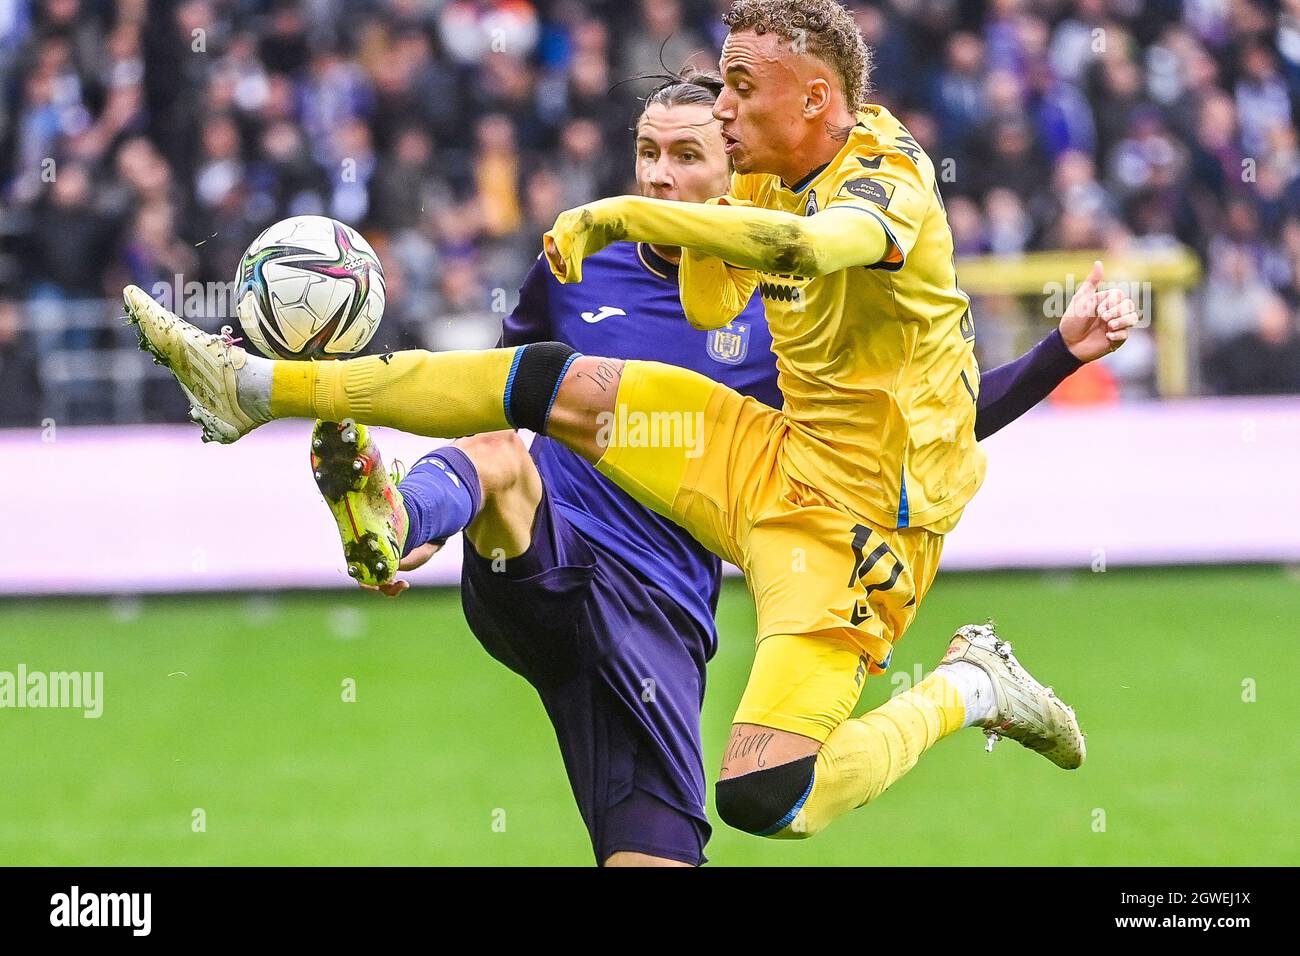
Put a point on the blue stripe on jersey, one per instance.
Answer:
(902, 498)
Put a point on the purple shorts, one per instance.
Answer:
(620, 669)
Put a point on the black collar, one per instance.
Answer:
(802, 184)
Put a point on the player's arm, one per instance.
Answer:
(1010, 390)
(1095, 324)
(872, 220)
(745, 236)
(712, 290)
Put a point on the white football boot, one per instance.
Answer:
(205, 365)
(1027, 712)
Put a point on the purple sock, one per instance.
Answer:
(442, 496)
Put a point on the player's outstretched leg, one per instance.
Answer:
(795, 793)
(797, 759)
(485, 485)
(440, 395)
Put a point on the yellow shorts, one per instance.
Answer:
(836, 590)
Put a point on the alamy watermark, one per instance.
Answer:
(195, 300)
(627, 428)
(77, 908)
(1058, 295)
(72, 690)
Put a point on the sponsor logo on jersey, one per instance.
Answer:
(778, 292)
(604, 312)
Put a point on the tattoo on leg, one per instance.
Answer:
(743, 744)
(604, 375)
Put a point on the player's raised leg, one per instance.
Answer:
(489, 486)
(524, 564)
(438, 394)
(363, 498)
(798, 759)
(644, 424)
(486, 485)
(781, 784)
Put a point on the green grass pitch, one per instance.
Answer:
(233, 705)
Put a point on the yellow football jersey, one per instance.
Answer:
(877, 363)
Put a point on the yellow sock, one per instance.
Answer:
(437, 394)
(864, 755)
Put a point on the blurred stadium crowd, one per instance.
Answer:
(141, 141)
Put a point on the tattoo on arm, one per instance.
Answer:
(603, 375)
(743, 744)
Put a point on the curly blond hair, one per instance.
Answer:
(821, 28)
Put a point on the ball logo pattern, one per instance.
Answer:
(309, 287)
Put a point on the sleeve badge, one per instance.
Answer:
(872, 190)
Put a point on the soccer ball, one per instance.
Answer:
(309, 288)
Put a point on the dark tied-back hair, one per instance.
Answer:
(687, 87)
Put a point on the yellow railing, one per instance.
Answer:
(1159, 276)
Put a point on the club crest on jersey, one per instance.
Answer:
(729, 344)
(811, 208)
